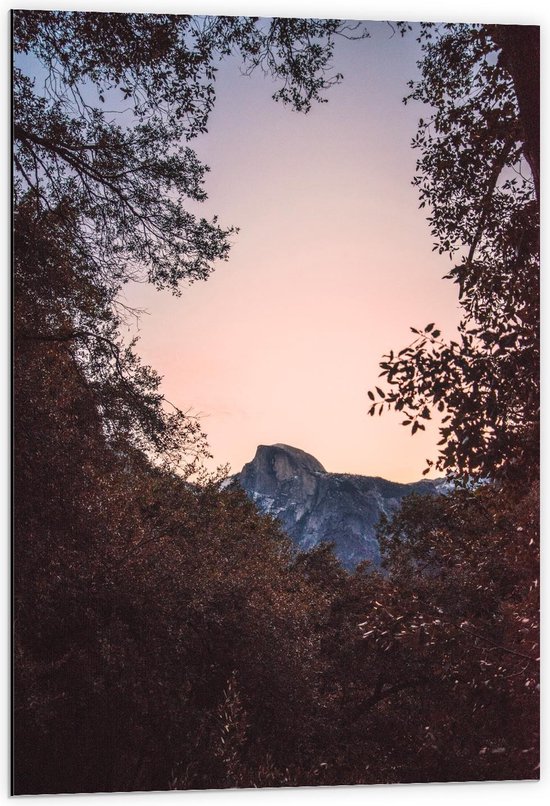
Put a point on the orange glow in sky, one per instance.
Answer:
(332, 265)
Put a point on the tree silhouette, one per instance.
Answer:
(476, 149)
(100, 129)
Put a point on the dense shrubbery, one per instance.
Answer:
(167, 637)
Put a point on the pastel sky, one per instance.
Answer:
(332, 265)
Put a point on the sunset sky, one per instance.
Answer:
(332, 265)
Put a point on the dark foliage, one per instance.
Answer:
(105, 121)
(474, 177)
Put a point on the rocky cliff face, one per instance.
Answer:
(314, 506)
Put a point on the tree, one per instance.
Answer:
(464, 570)
(520, 46)
(138, 597)
(129, 171)
(59, 304)
(145, 607)
(464, 566)
(101, 155)
(477, 146)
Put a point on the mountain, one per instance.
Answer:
(315, 506)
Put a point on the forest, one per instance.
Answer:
(166, 635)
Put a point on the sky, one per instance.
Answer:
(332, 265)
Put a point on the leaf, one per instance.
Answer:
(508, 340)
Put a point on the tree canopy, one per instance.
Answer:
(478, 180)
(106, 120)
(104, 107)
(465, 565)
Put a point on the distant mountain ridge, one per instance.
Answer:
(314, 506)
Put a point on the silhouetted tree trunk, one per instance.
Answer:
(520, 46)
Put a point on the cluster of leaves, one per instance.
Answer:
(127, 168)
(58, 301)
(475, 180)
(465, 573)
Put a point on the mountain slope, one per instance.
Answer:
(315, 506)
